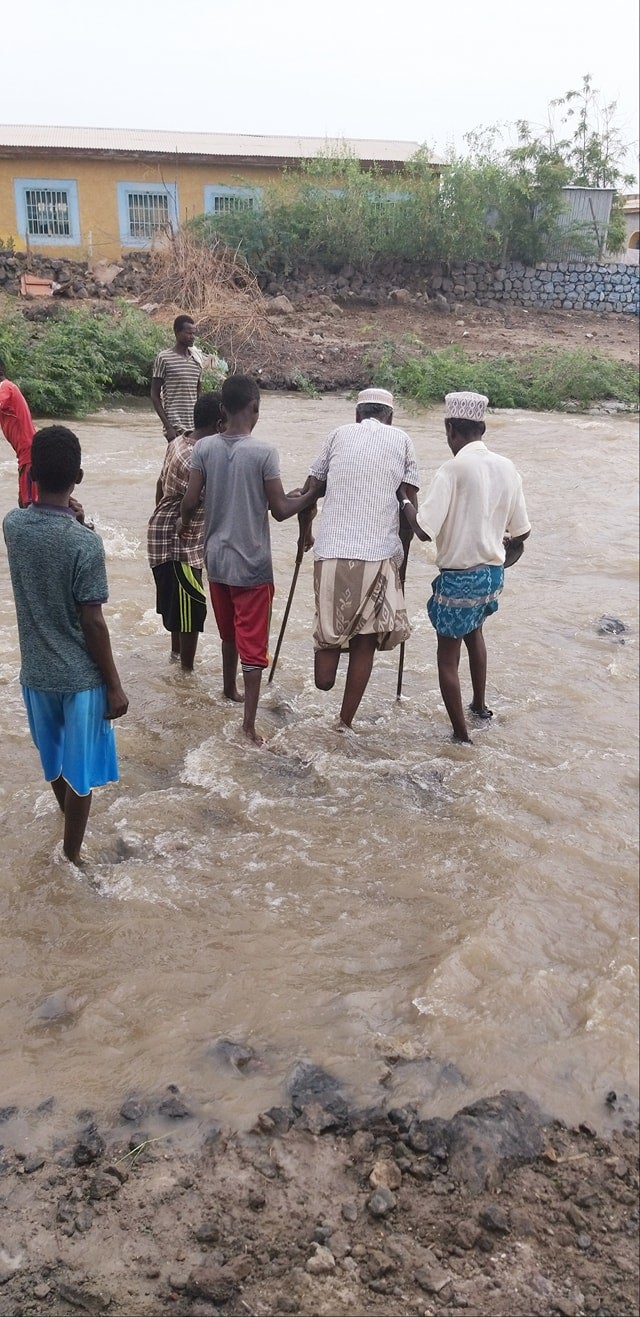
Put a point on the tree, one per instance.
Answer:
(518, 191)
(594, 150)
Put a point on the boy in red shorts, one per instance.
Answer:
(240, 476)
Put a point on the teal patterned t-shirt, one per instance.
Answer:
(56, 565)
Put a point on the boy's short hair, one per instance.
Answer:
(180, 322)
(237, 392)
(55, 458)
(207, 411)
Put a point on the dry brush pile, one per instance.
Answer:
(214, 285)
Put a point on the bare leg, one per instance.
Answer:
(230, 672)
(477, 651)
(76, 814)
(175, 644)
(448, 661)
(252, 679)
(325, 668)
(361, 652)
(59, 788)
(188, 646)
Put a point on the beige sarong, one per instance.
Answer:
(357, 599)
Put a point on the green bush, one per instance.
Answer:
(541, 381)
(493, 204)
(66, 365)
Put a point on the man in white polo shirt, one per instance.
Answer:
(358, 550)
(475, 512)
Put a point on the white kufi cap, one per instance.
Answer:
(465, 406)
(380, 396)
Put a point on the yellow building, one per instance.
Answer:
(95, 193)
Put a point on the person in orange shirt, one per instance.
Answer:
(18, 429)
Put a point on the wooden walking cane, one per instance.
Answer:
(299, 557)
(402, 573)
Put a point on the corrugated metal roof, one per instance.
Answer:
(243, 145)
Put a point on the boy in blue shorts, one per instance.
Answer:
(69, 680)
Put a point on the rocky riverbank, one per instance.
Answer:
(322, 1209)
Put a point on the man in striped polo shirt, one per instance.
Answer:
(358, 551)
(175, 387)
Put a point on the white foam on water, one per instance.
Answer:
(118, 543)
(44, 804)
(202, 768)
(150, 623)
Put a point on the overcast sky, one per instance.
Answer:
(422, 70)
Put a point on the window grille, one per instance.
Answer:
(47, 211)
(148, 213)
(222, 205)
(223, 199)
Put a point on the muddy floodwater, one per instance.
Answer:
(335, 898)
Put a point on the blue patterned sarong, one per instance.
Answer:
(461, 600)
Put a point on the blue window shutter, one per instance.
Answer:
(47, 211)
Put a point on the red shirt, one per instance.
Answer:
(15, 421)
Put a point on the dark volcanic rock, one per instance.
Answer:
(239, 1056)
(316, 1099)
(493, 1136)
(89, 1148)
(611, 626)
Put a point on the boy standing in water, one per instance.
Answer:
(176, 382)
(176, 562)
(240, 477)
(70, 684)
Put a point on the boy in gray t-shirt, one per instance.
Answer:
(69, 680)
(241, 481)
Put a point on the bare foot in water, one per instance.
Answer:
(462, 740)
(234, 694)
(483, 712)
(253, 736)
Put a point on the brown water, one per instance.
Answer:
(336, 898)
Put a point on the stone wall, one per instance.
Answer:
(559, 285)
(75, 279)
(556, 285)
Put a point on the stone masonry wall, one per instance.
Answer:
(559, 285)
(556, 285)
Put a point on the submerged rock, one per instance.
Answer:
(612, 626)
(239, 1056)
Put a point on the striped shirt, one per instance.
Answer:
(363, 465)
(179, 374)
(163, 545)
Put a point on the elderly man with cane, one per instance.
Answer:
(359, 554)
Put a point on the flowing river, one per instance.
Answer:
(343, 898)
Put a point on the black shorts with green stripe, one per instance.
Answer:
(180, 597)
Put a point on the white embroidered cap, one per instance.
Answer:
(465, 406)
(381, 396)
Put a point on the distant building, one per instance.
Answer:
(96, 193)
(587, 211)
(631, 210)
